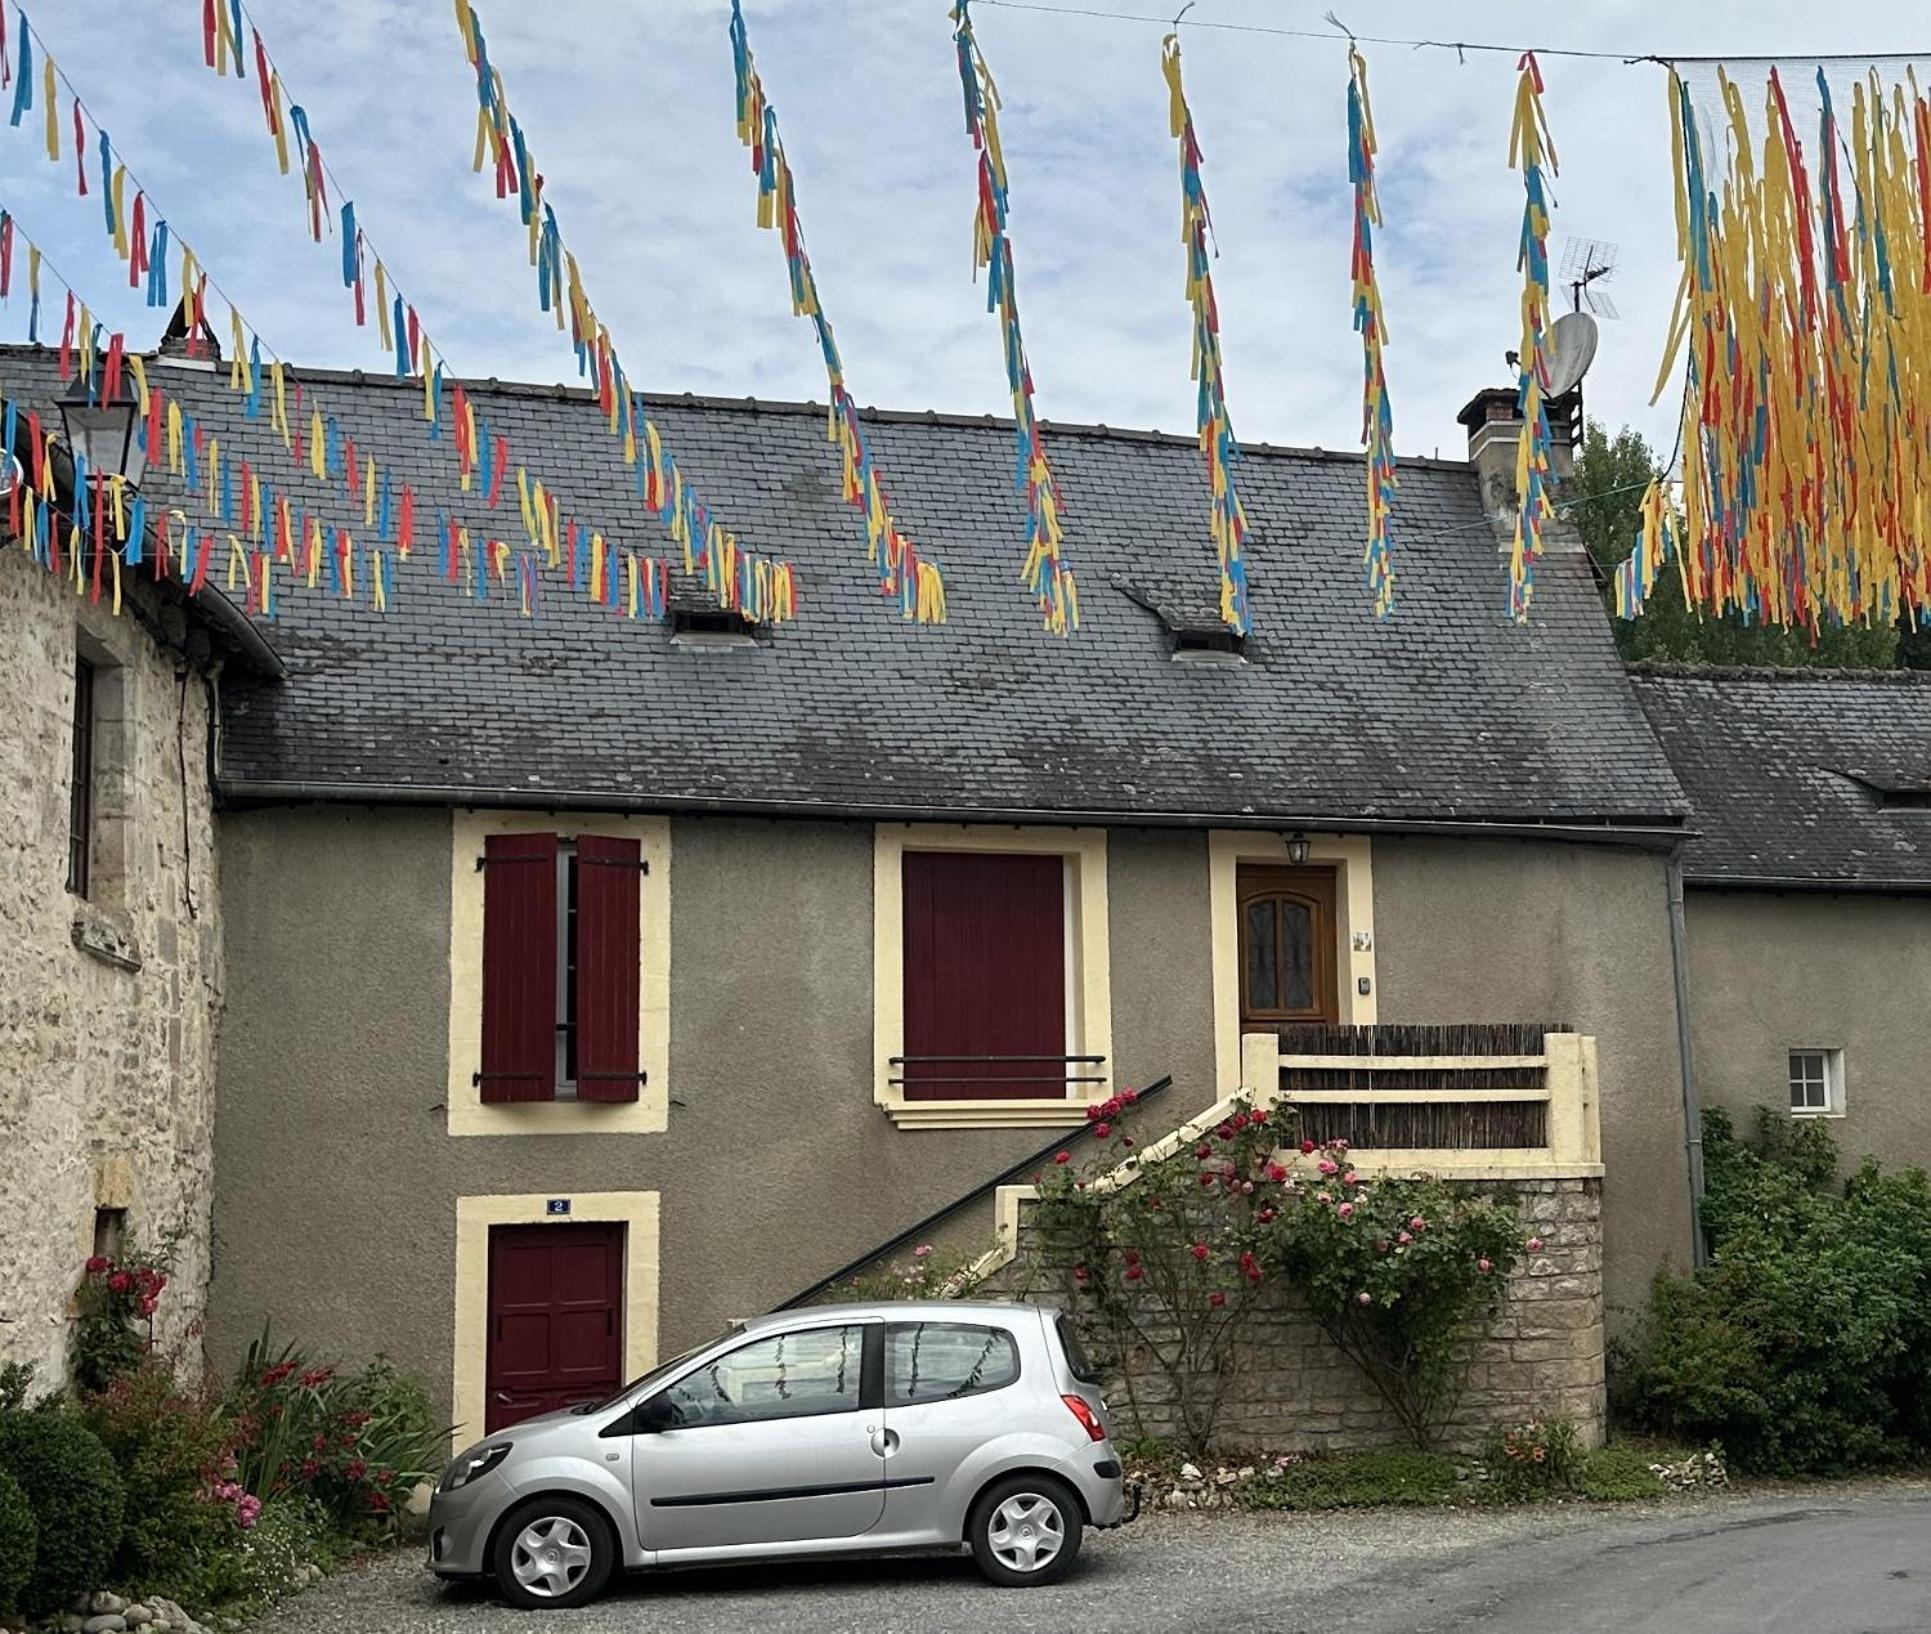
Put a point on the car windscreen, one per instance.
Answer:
(656, 1375)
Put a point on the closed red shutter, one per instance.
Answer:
(985, 975)
(609, 886)
(519, 967)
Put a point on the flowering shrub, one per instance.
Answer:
(1804, 1346)
(1167, 1265)
(1533, 1460)
(115, 1329)
(355, 1442)
(1395, 1272)
(928, 1273)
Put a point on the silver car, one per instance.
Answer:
(841, 1429)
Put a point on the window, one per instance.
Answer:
(1077, 1361)
(985, 977)
(791, 1375)
(711, 627)
(1287, 946)
(941, 1361)
(1816, 1082)
(80, 797)
(1218, 646)
(561, 968)
(110, 1231)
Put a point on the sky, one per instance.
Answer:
(629, 110)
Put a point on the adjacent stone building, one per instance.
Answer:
(111, 953)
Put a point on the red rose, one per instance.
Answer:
(1134, 1273)
(355, 1469)
(1129, 1097)
(1276, 1172)
(1216, 1298)
(1200, 1251)
(1207, 1180)
(1224, 1132)
(96, 1265)
(1239, 1120)
(1079, 1275)
(1203, 1150)
(1102, 1130)
(150, 1305)
(1307, 1148)
(1258, 1115)
(1265, 1215)
(1126, 1140)
(1253, 1273)
(120, 1282)
(1062, 1157)
(320, 1443)
(379, 1502)
(310, 1469)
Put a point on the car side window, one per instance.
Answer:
(789, 1375)
(942, 1361)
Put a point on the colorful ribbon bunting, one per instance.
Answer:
(1377, 414)
(903, 573)
(1045, 570)
(1529, 147)
(1227, 518)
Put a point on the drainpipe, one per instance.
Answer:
(1692, 1110)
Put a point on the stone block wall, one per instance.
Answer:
(1540, 1356)
(108, 1003)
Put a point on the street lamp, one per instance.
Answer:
(1297, 848)
(102, 432)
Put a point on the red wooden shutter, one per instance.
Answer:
(985, 975)
(519, 967)
(609, 886)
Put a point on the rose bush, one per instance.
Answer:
(117, 1300)
(1396, 1272)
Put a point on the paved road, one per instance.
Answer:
(1822, 1560)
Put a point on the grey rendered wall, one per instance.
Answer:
(338, 1181)
(1771, 973)
(1513, 931)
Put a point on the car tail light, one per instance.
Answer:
(1089, 1420)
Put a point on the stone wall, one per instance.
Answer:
(107, 1005)
(1541, 1356)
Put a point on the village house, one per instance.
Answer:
(110, 899)
(587, 982)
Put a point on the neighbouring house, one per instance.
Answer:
(1808, 894)
(587, 982)
(110, 924)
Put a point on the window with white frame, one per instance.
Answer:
(1816, 1082)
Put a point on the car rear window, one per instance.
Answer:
(1076, 1357)
(942, 1361)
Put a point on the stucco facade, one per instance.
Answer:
(1773, 972)
(341, 1185)
(107, 1002)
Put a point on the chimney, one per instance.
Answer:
(1494, 443)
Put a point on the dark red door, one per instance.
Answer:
(556, 1324)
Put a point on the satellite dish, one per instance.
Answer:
(1569, 350)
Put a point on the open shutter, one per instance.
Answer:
(609, 887)
(519, 967)
(985, 976)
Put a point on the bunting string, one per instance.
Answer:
(1804, 319)
(904, 574)
(1227, 519)
(480, 454)
(1045, 570)
(1377, 413)
(1529, 149)
(762, 588)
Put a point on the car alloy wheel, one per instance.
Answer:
(1026, 1533)
(550, 1556)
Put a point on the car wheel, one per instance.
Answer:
(1025, 1530)
(553, 1553)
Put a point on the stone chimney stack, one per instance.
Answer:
(1494, 441)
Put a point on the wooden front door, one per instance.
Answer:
(1287, 947)
(556, 1323)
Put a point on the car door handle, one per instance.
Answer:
(884, 1442)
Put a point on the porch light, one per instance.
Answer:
(1297, 848)
(101, 432)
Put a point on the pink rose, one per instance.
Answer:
(1329, 1166)
(1349, 1178)
(1403, 1237)
(1534, 1245)
(1346, 1211)
(1484, 1266)
(1364, 1298)
(1418, 1224)
(921, 1251)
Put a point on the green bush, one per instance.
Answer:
(18, 1540)
(1539, 1459)
(170, 1447)
(1356, 1480)
(1616, 1474)
(1804, 1346)
(264, 1563)
(76, 1496)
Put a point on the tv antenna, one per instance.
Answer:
(1587, 264)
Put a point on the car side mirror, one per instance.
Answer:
(652, 1416)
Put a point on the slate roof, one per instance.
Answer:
(1788, 771)
(1446, 712)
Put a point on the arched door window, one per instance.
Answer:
(1287, 949)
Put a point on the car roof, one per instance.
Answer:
(894, 1310)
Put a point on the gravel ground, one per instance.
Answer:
(1366, 1572)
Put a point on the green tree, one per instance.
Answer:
(1605, 500)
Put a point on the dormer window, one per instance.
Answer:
(1904, 799)
(711, 627)
(1209, 646)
